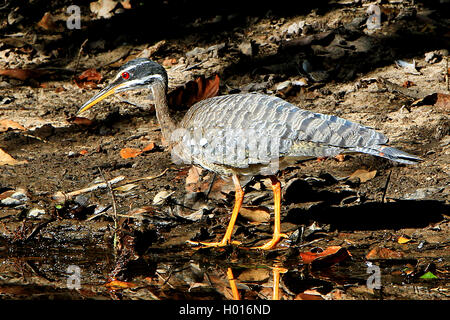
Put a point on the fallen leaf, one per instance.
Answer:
(161, 197)
(149, 147)
(363, 175)
(329, 256)
(81, 121)
(83, 152)
(193, 175)
(103, 8)
(340, 157)
(90, 78)
(428, 275)
(308, 296)
(22, 74)
(126, 187)
(403, 240)
(125, 4)
(257, 214)
(408, 84)
(116, 284)
(254, 275)
(47, 23)
(127, 153)
(5, 125)
(194, 91)
(439, 100)
(139, 211)
(5, 158)
(383, 253)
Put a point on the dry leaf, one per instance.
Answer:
(193, 175)
(83, 152)
(125, 4)
(408, 84)
(47, 23)
(127, 153)
(439, 100)
(81, 121)
(194, 91)
(88, 79)
(308, 296)
(22, 74)
(116, 284)
(5, 158)
(253, 275)
(330, 256)
(383, 253)
(126, 187)
(103, 8)
(9, 124)
(403, 240)
(149, 147)
(255, 214)
(363, 175)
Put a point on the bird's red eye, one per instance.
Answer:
(125, 75)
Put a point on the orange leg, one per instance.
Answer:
(239, 197)
(277, 235)
(276, 281)
(233, 286)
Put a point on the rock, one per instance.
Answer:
(36, 212)
(423, 193)
(195, 52)
(247, 48)
(433, 57)
(295, 28)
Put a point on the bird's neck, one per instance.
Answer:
(162, 113)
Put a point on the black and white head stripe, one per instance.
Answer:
(142, 71)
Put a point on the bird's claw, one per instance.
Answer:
(272, 243)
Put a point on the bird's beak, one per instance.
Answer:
(106, 92)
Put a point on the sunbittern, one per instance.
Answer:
(247, 134)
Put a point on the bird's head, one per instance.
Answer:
(135, 74)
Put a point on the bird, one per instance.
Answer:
(247, 134)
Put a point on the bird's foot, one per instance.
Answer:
(213, 244)
(273, 242)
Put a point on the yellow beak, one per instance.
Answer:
(106, 92)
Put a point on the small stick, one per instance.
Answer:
(114, 207)
(59, 196)
(447, 74)
(148, 177)
(386, 186)
(79, 56)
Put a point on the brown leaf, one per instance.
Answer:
(149, 147)
(330, 256)
(83, 152)
(125, 4)
(5, 125)
(5, 158)
(126, 153)
(383, 253)
(194, 91)
(22, 74)
(47, 23)
(193, 175)
(254, 275)
(363, 175)
(255, 214)
(439, 100)
(88, 79)
(81, 121)
(116, 284)
(408, 84)
(308, 296)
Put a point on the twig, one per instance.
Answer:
(148, 177)
(59, 196)
(447, 74)
(386, 186)
(79, 56)
(113, 197)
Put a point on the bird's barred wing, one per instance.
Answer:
(243, 129)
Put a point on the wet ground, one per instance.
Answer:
(378, 233)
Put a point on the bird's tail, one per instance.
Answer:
(389, 153)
